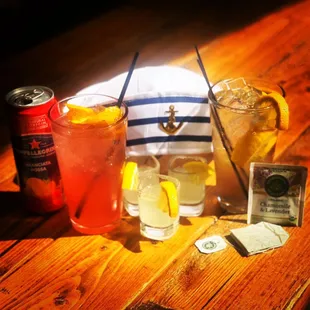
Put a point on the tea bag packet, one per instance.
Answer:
(169, 112)
(276, 194)
(259, 238)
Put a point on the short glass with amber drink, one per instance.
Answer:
(191, 171)
(247, 114)
(89, 133)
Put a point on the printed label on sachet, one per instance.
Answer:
(276, 194)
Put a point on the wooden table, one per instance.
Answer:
(45, 264)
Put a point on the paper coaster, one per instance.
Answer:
(211, 244)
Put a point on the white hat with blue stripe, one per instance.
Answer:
(168, 107)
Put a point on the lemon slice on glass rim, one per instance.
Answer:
(87, 115)
(281, 107)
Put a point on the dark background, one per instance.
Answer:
(26, 23)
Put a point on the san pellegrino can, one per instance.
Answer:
(33, 148)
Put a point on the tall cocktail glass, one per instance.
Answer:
(91, 159)
(244, 130)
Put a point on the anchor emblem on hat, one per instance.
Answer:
(170, 127)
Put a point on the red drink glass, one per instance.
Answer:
(91, 159)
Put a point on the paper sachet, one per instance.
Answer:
(259, 237)
(277, 194)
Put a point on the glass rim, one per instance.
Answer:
(198, 158)
(155, 160)
(162, 176)
(247, 110)
(124, 116)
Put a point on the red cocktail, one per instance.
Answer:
(89, 133)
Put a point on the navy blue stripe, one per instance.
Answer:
(168, 139)
(174, 99)
(157, 120)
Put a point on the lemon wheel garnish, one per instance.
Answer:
(169, 198)
(201, 169)
(253, 146)
(83, 115)
(281, 107)
(130, 176)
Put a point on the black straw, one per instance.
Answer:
(132, 67)
(225, 141)
(203, 70)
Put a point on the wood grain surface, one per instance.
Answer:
(45, 264)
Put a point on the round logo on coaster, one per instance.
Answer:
(276, 185)
(209, 245)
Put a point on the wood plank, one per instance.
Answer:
(123, 253)
(15, 223)
(299, 152)
(239, 279)
(259, 55)
(7, 167)
(31, 241)
(124, 269)
(90, 56)
(58, 271)
(134, 251)
(16, 257)
(69, 73)
(17, 253)
(301, 299)
(236, 280)
(163, 34)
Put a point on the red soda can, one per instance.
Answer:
(33, 148)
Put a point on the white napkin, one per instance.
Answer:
(151, 92)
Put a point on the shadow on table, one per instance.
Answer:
(235, 245)
(17, 224)
(128, 234)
